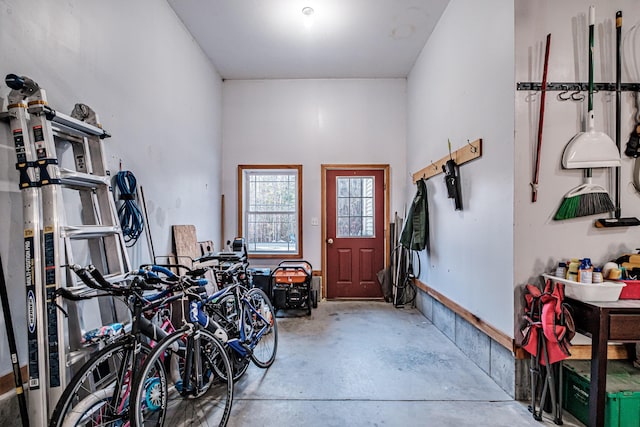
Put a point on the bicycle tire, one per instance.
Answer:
(264, 351)
(89, 408)
(226, 312)
(97, 373)
(155, 402)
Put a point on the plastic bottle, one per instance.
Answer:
(597, 275)
(561, 270)
(585, 272)
(572, 271)
(615, 274)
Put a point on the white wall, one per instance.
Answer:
(461, 88)
(155, 91)
(312, 122)
(540, 241)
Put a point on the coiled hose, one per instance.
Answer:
(129, 214)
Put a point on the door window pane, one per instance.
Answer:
(355, 206)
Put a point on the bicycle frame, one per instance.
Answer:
(239, 345)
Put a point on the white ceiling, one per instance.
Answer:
(271, 39)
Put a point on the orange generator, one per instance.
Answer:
(291, 286)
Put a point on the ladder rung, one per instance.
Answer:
(75, 125)
(74, 357)
(89, 231)
(80, 179)
(65, 136)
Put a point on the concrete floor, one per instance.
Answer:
(370, 364)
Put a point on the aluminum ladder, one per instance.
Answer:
(51, 243)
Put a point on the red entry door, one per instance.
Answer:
(355, 232)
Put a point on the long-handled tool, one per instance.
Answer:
(536, 174)
(17, 375)
(616, 221)
(633, 69)
(590, 149)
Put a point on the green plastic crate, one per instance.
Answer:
(622, 408)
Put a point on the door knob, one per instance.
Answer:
(330, 241)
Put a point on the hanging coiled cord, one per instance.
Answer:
(129, 214)
(402, 279)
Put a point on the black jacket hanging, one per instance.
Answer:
(415, 234)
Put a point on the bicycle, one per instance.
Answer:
(196, 361)
(225, 306)
(248, 317)
(100, 393)
(245, 320)
(106, 367)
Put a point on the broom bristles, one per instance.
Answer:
(585, 205)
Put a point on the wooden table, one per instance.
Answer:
(603, 322)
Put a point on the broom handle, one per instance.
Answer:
(618, 211)
(592, 23)
(534, 185)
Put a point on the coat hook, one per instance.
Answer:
(577, 96)
(562, 96)
(434, 165)
(473, 148)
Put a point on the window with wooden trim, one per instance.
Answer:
(270, 210)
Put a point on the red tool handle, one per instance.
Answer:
(536, 175)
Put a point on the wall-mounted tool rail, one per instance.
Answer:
(472, 150)
(577, 86)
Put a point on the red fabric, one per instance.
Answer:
(550, 319)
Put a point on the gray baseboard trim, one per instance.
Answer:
(510, 373)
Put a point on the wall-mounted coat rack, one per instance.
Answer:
(472, 150)
(576, 86)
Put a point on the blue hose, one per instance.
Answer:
(129, 214)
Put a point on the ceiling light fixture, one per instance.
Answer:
(307, 11)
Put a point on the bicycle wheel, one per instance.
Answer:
(93, 410)
(178, 384)
(225, 312)
(89, 393)
(261, 330)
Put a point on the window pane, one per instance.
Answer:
(355, 206)
(355, 187)
(343, 227)
(367, 187)
(343, 206)
(367, 207)
(367, 226)
(356, 227)
(271, 210)
(343, 187)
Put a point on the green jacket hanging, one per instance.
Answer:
(415, 234)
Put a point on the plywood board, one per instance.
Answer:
(185, 243)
